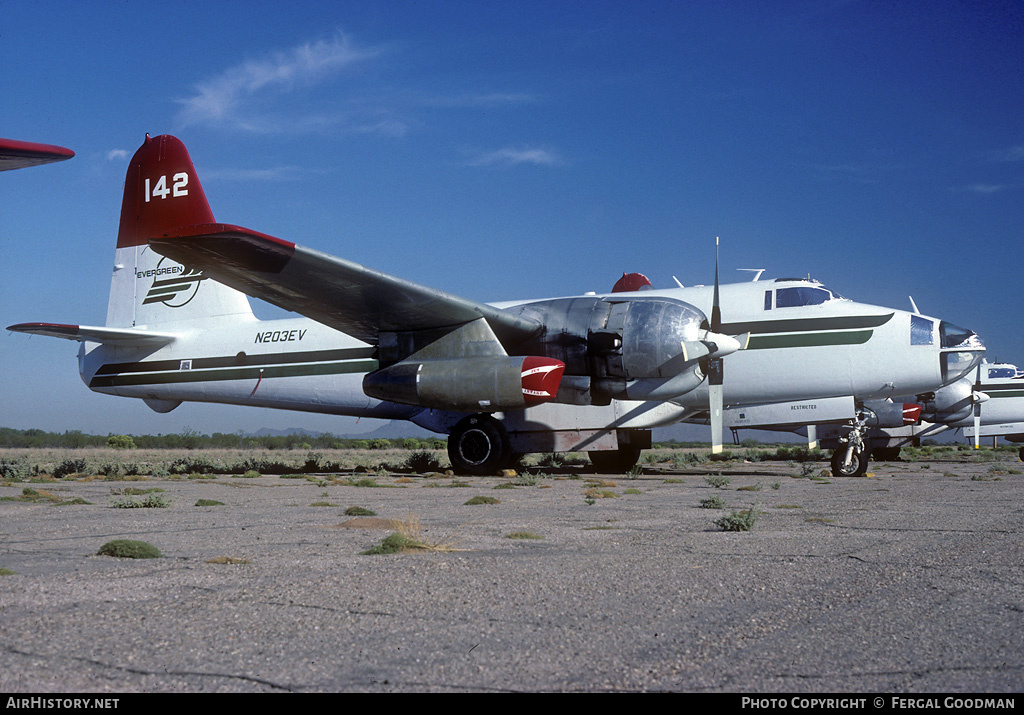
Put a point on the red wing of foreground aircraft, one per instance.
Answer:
(16, 154)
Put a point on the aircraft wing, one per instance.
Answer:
(82, 333)
(16, 154)
(341, 294)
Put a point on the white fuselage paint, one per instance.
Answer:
(309, 367)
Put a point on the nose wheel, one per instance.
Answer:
(851, 459)
(854, 466)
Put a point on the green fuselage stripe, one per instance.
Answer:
(807, 340)
(240, 360)
(799, 325)
(245, 373)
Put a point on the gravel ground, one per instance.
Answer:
(906, 581)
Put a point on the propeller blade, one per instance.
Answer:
(977, 425)
(716, 309)
(975, 392)
(716, 369)
(716, 376)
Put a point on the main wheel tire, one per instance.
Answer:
(886, 454)
(617, 461)
(478, 446)
(858, 464)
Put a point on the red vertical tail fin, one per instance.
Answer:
(162, 194)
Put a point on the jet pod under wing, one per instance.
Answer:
(341, 294)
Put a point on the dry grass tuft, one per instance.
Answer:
(408, 537)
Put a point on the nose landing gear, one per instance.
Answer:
(851, 459)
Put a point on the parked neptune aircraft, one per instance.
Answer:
(997, 397)
(989, 403)
(588, 373)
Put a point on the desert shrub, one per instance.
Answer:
(192, 464)
(15, 469)
(423, 461)
(737, 521)
(552, 459)
(120, 441)
(128, 549)
(152, 501)
(69, 466)
(717, 481)
(712, 502)
(523, 535)
(393, 544)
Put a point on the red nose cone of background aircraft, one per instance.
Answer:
(911, 413)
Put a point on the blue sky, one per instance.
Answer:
(507, 150)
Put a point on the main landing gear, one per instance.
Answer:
(618, 461)
(478, 446)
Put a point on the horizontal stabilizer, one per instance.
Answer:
(341, 294)
(81, 333)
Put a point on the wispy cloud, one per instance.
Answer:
(473, 100)
(1011, 154)
(232, 98)
(985, 188)
(278, 173)
(860, 172)
(117, 155)
(513, 156)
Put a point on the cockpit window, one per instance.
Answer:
(920, 330)
(954, 336)
(1002, 372)
(802, 295)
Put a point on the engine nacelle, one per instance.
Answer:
(883, 413)
(479, 384)
(949, 404)
(631, 339)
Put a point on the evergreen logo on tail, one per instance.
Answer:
(173, 285)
